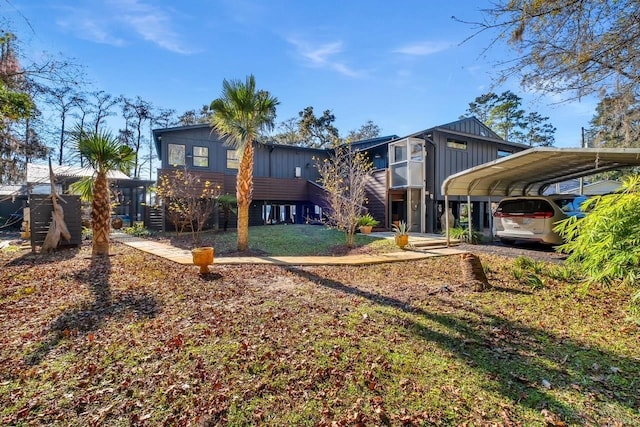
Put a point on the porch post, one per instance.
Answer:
(470, 216)
(490, 220)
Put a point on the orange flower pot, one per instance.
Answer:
(203, 258)
(366, 229)
(402, 240)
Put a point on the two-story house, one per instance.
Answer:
(405, 184)
(284, 176)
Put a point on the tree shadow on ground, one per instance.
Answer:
(89, 317)
(522, 361)
(32, 258)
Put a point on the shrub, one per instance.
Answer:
(605, 244)
(87, 233)
(462, 234)
(367, 220)
(138, 230)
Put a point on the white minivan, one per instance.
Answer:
(532, 218)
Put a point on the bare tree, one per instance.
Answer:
(103, 104)
(189, 201)
(64, 99)
(568, 47)
(344, 175)
(136, 112)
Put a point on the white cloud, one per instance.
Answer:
(423, 48)
(89, 29)
(323, 56)
(119, 17)
(151, 23)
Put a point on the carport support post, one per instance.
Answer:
(490, 220)
(469, 215)
(446, 218)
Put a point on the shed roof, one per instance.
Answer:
(531, 171)
(39, 174)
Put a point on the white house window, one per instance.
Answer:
(201, 157)
(406, 163)
(232, 159)
(456, 144)
(176, 154)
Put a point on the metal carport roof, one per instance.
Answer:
(531, 171)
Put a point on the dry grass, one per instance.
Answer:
(137, 340)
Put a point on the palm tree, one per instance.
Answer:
(239, 116)
(104, 153)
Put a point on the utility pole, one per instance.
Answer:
(581, 178)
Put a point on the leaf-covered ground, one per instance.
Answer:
(138, 340)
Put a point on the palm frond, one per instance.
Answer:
(83, 188)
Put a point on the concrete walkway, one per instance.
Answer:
(422, 246)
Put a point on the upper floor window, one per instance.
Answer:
(201, 157)
(232, 159)
(176, 154)
(504, 153)
(456, 144)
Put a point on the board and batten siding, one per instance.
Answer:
(376, 194)
(449, 161)
(281, 161)
(270, 160)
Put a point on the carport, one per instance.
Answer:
(530, 172)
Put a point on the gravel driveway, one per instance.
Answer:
(530, 250)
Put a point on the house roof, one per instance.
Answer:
(13, 190)
(533, 170)
(460, 127)
(365, 144)
(39, 174)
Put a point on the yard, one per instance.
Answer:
(139, 340)
(281, 240)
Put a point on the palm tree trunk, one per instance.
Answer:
(244, 194)
(101, 215)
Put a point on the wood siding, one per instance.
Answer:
(448, 161)
(40, 215)
(270, 161)
(274, 189)
(376, 193)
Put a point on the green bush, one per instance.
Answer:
(462, 234)
(526, 263)
(606, 243)
(367, 220)
(138, 230)
(87, 233)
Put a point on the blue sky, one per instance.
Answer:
(400, 64)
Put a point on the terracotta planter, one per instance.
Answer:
(366, 229)
(203, 258)
(402, 240)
